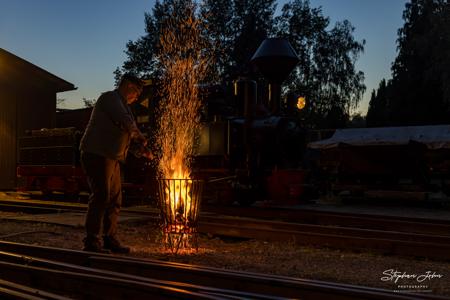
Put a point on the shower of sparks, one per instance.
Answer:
(184, 65)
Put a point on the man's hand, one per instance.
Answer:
(143, 141)
(148, 155)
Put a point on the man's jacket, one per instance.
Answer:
(110, 128)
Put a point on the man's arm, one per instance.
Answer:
(139, 150)
(112, 105)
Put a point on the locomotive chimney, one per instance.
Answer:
(275, 59)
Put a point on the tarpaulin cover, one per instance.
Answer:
(433, 136)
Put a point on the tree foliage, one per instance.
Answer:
(217, 26)
(253, 22)
(419, 91)
(377, 113)
(142, 53)
(236, 28)
(60, 102)
(326, 73)
(89, 102)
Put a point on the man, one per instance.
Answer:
(104, 146)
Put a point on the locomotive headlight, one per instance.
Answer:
(301, 102)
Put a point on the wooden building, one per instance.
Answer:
(27, 101)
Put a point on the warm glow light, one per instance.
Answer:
(301, 103)
(180, 199)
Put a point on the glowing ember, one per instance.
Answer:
(301, 103)
(183, 66)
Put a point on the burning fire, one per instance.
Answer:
(180, 211)
(183, 65)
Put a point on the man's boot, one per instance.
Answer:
(92, 244)
(113, 244)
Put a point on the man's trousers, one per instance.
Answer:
(105, 200)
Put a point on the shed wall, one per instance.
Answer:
(27, 101)
(21, 108)
(8, 137)
(36, 110)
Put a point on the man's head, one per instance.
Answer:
(130, 87)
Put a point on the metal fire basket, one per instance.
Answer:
(179, 201)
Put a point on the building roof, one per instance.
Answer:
(20, 67)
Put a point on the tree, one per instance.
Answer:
(357, 121)
(60, 102)
(234, 29)
(253, 21)
(142, 53)
(378, 105)
(217, 27)
(419, 92)
(89, 102)
(326, 73)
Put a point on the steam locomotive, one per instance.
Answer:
(252, 135)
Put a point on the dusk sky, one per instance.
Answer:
(83, 41)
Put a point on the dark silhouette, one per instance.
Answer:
(419, 91)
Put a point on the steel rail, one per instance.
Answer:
(44, 204)
(278, 286)
(6, 293)
(303, 216)
(11, 290)
(248, 281)
(32, 209)
(306, 216)
(311, 216)
(68, 267)
(90, 286)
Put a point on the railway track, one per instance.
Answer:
(71, 274)
(303, 216)
(369, 221)
(387, 235)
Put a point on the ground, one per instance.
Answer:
(286, 258)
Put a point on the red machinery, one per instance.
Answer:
(49, 161)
